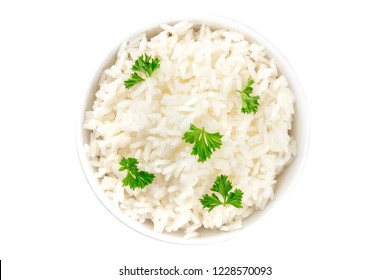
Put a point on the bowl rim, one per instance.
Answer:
(280, 61)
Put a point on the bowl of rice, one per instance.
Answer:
(193, 129)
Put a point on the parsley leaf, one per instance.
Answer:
(134, 178)
(134, 79)
(250, 104)
(210, 201)
(222, 186)
(205, 143)
(235, 197)
(144, 64)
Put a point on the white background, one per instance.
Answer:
(333, 225)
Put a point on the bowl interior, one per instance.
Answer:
(284, 181)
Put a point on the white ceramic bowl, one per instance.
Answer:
(286, 180)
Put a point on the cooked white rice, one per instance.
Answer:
(201, 69)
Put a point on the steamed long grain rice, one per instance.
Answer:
(201, 69)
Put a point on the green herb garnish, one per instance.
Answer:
(250, 104)
(222, 186)
(205, 143)
(134, 178)
(144, 64)
(134, 79)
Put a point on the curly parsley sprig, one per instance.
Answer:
(144, 64)
(134, 178)
(250, 104)
(205, 143)
(222, 186)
